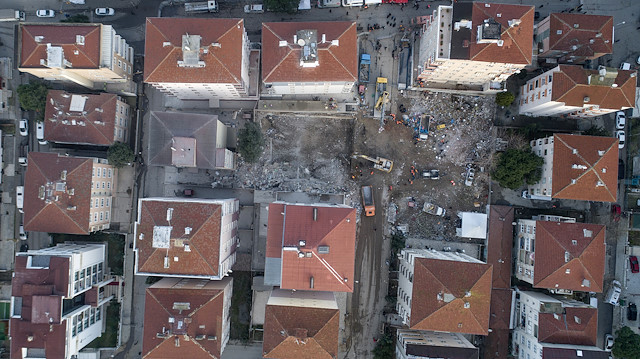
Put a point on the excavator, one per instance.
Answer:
(379, 163)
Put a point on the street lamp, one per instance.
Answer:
(622, 23)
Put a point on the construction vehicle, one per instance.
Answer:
(382, 98)
(423, 127)
(201, 6)
(379, 163)
(365, 64)
(433, 209)
(367, 201)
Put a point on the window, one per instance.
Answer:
(93, 172)
(106, 216)
(109, 185)
(550, 77)
(102, 216)
(104, 172)
(102, 185)
(537, 83)
(102, 202)
(119, 63)
(98, 173)
(95, 217)
(109, 173)
(107, 202)
(96, 203)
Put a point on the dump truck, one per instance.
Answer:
(11, 15)
(365, 65)
(367, 201)
(379, 163)
(201, 6)
(433, 209)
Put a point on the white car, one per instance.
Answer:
(105, 11)
(23, 234)
(45, 13)
(40, 133)
(254, 8)
(471, 173)
(621, 120)
(24, 127)
(613, 295)
(621, 137)
(608, 342)
(20, 198)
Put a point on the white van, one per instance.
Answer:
(613, 295)
(20, 198)
(254, 8)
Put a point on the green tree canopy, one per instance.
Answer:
(33, 97)
(385, 348)
(120, 154)
(626, 344)
(517, 167)
(78, 18)
(504, 98)
(596, 130)
(289, 6)
(250, 142)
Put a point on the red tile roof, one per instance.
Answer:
(85, 56)
(440, 290)
(517, 40)
(98, 118)
(566, 330)
(334, 229)
(34, 285)
(292, 332)
(203, 217)
(572, 85)
(555, 253)
(71, 212)
(336, 63)
(198, 313)
(599, 181)
(593, 36)
(500, 244)
(223, 63)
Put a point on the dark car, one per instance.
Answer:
(633, 262)
(620, 169)
(24, 247)
(632, 312)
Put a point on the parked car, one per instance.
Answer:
(471, 173)
(432, 174)
(613, 295)
(22, 161)
(621, 137)
(621, 120)
(24, 247)
(632, 312)
(633, 262)
(254, 8)
(40, 133)
(608, 342)
(23, 234)
(24, 127)
(105, 11)
(20, 198)
(45, 13)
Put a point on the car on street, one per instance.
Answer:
(621, 137)
(254, 8)
(608, 342)
(45, 13)
(40, 133)
(621, 120)
(613, 295)
(23, 234)
(105, 11)
(633, 262)
(632, 312)
(22, 161)
(20, 198)
(24, 247)
(24, 127)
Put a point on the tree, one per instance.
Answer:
(33, 97)
(385, 348)
(626, 344)
(250, 142)
(504, 98)
(77, 18)
(516, 167)
(596, 130)
(289, 6)
(120, 154)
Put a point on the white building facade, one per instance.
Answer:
(543, 147)
(409, 339)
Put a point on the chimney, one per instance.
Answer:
(311, 282)
(315, 214)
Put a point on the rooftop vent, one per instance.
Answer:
(169, 214)
(599, 184)
(574, 151)
(282, 43)
(599, 34)
(514, 22)
(578, 167)
(212, 337)
(166, 43)
(323, 249)
(556, 316)
(574, 181)
(574, 242)
(166, 265)
(586, 283)
(187, 230)
(567, 256)
(586, 99)
(302, 243)
(38, 38)
(568, 271)
(308, 40)
(559, 32)
(576, 319)
(601, 153)
(315, 214)
(79, 40)
(467, 305)
(311, 282)
(575, 26)
(191, 52)
(587, 233)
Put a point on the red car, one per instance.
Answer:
(633, 261)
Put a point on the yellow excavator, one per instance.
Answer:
(379, 163)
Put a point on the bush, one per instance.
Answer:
(517, 167)
(120, 155)
(596, 131)
(505, 98)
(289, 6)
(77, 18)
(385, 348)
(33, 97)
(250, 142)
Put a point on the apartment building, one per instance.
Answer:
(86, 54)
(301, 324)
(577, 167)
(474, 46)
(415, 344)
(86, 119)
(573, 38)
(197, 58)
(58, 302)
(560, 256)
(66, 194)
(188, 140)
(310, 247)
(309, 58)
(548, 326)
(186, 238)
(576, 92)
(444, 291)
(187, 318)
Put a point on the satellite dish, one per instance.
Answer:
(301, 42)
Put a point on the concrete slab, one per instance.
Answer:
(242, 351)
(245, 220)
(258, 306)
(245, 241)
(259, 238)
(7, 255)
(471, 249)
(301, 197)
(264, 196)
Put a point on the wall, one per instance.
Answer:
(101, 195)
(90, 322)
(310, 88)
(525, 247)
(543, 147)
(228, 235)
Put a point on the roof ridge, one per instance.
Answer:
(279, 63)
(328, 49)
(324, 326)
(216, 57)
(162, 306)
(200, 229)
(34, 49)
(527, 58)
